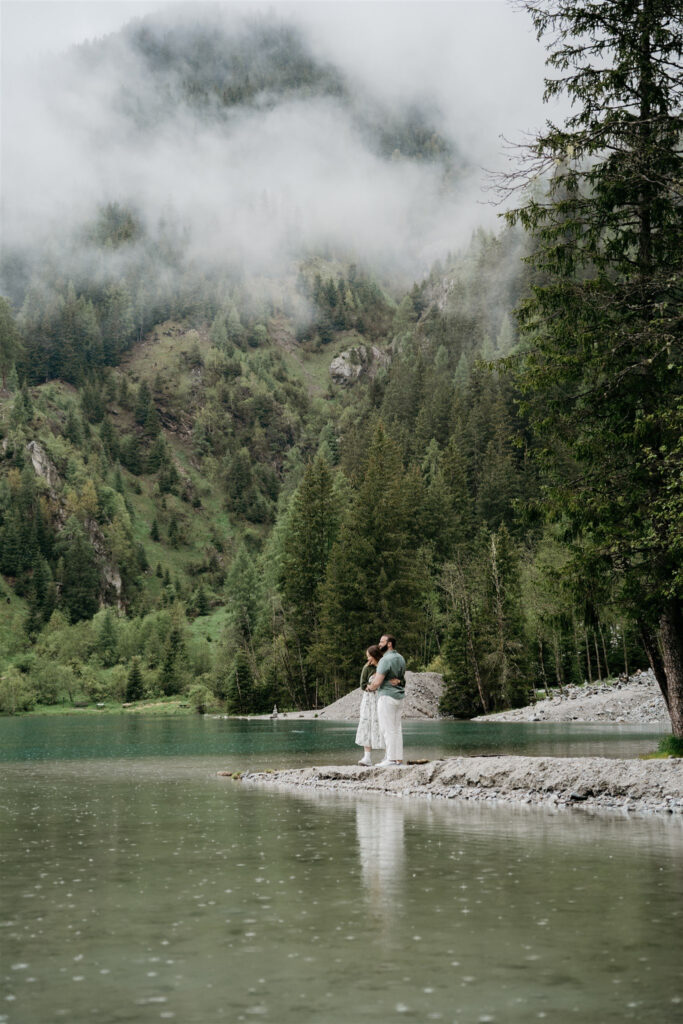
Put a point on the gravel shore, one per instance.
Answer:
(594, 783)
(637, 702)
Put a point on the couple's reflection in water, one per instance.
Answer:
(380, 828)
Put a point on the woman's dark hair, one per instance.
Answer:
(375, 652)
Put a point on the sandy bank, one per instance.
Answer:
(596, 783)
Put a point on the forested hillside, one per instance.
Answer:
(192, 504)
(204, 511)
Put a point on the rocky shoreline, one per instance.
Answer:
(636, 701)
(590, 783)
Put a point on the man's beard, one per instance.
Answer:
(383, 647)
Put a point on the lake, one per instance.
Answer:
(138, 886)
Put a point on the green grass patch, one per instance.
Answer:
(671, 746)
(210, 627)
(154, 706)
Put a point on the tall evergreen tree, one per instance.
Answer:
(375, 579)
(80, 575)
(10, 341)
(311, 530)
(135, 683)
(601, 364)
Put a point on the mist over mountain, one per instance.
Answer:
(233, 130)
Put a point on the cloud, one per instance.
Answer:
(291, 174)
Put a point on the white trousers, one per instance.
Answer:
(389, 713)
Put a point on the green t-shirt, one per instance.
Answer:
(392, 666)
(366, 674)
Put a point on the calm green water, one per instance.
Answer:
(137, 886)
(293, 742)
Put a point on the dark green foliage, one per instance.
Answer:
(172, 671)
(135, 688)
(375, 580)
(311, 530)
(600, 370)
(107, 640)
(80, 577)
(239, 694)
(10, 342)
(202, 606)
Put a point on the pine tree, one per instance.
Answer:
(600, 370)
(240, 685)
(311, 530)
(80, 583)
(375, 579)
(242, 592)
(135, 689)
(504, 637)
(107, 640)
(10, 341)
(117, 323)
(171, 673)
(202, 602)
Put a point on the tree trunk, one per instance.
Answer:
(542, 664)
(599, 675)
(604, 650)
(671, 626)
(558, 664)
(577, 650)
(649, 638)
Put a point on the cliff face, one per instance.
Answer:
(350, 366)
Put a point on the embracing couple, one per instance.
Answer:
(383, 682)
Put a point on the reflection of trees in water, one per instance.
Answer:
(381, 848)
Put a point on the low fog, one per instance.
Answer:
(284, 174)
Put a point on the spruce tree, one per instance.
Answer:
(135, 683)
(375, 579)
(107, 640)
(10, 341)
(600, 368)
(80, 583)
(311, 530)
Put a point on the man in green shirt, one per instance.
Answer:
(390, 682)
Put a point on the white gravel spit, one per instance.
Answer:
(636, 702)
(593, 783)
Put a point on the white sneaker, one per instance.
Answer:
(366, 762)
(387, 764)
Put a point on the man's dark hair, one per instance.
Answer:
(390, 639)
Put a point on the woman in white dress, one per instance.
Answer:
(368, 734)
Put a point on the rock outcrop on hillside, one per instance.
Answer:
(351, 365)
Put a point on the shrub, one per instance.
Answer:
(15, 693)
(202, 699)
